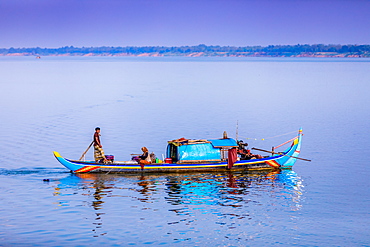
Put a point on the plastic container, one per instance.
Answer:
(109, 157)
(158, 160)
(168, 160)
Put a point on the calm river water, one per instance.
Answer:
(54, 104)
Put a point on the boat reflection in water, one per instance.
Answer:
(94, 187)
(180, 198)
(233, 189)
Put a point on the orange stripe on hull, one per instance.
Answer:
(87, 168)
(273, 163)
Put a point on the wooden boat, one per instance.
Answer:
(194, 155)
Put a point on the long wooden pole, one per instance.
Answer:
(86, 150)
(280, 154)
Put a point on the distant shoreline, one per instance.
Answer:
(195, 55)
(340, 51)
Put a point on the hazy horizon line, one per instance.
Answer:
(298, 44)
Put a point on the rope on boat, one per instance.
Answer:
(270, 136)
(109, 171)
(286, 142)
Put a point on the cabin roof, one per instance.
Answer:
(227, 142)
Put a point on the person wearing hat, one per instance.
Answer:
(98, 148)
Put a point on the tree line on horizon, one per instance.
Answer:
(200, 50)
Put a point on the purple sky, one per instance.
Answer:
(57, 23)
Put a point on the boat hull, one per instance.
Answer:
(283, 160)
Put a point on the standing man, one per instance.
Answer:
(98, 148)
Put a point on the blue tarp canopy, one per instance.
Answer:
(199, 152)
(227, 143)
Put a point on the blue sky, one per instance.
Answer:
(57, 23)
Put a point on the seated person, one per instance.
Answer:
(242, 151)
(144, 158)
(245, 154)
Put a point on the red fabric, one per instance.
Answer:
(231, 157)
(143, 163)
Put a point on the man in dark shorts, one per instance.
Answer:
(98, 148)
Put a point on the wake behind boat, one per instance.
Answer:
(184, 155)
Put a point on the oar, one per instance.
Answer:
(280, 154)
(86, 150)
